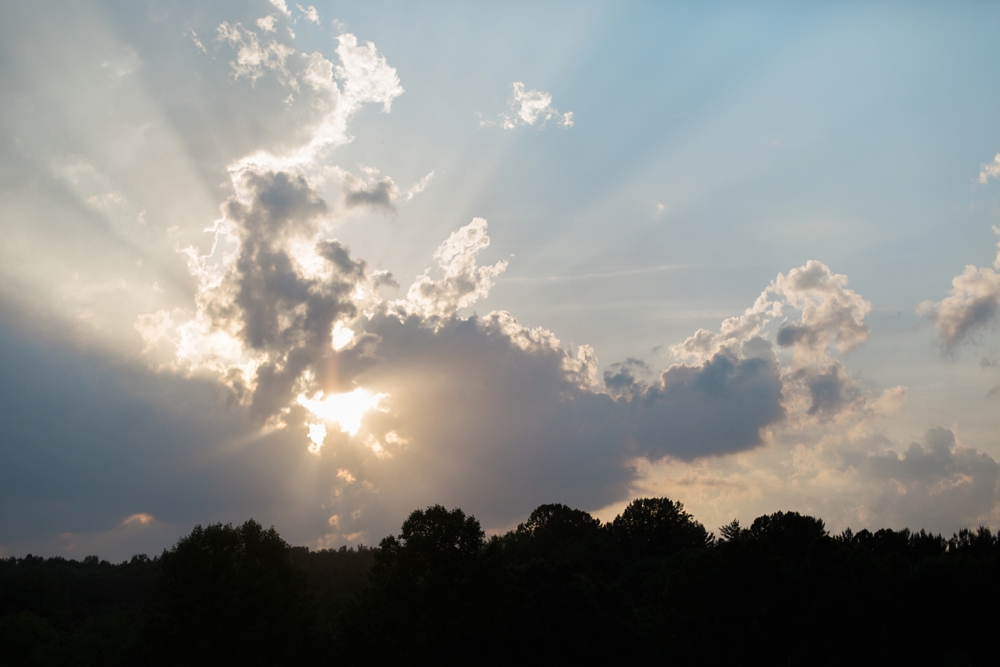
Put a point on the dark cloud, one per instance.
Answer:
(938, 484)
(486, 423)
(380, 195)
(271, 302)
(935, 483)
(621, 377)
(716, 408)
(830, 391)
(88, 441)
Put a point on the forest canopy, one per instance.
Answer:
(653, 584)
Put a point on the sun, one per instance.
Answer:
(346, 409)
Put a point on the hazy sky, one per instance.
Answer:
(321, 265)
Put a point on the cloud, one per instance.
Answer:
(621, 376)
(529, 107)
(252, 58)
(197, 41)
(990, 170)
(366, 78)
(972, 305)
(281, 6)
(310, 13)
(481, 412)
(830, 390)
(937, 481)
(831, 315)
(716, 408)
(267, 23)
(854, 477)
(402, 402)
(419, 186)
(814, 386)
(378, 194)
(463, 282)
(375, 191)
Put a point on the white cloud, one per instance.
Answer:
(366, 75)
(419, 186)
(366, 78)
(529, 107)
(831, 315)
(310, 13)
(463, 282)
(281, 6)
(197, 41)
(267, 23)
(252, 58)
(990, 170)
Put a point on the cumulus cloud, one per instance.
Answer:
(451, 409)
(716, 408)
(831, 315)
(465, 409)
(972, 305)
(933, 480)
(528, 107)
(463, 283)
(831, 318)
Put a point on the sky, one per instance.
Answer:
(322, 265)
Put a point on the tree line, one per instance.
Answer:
(561, 588)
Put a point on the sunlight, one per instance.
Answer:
(317, 434)
(342, 336)
(346, 409)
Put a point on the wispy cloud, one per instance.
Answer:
(419, 186)
(990, 170)
(529, 107)
(309, 13)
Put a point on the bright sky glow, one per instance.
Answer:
(342, 336)
(317, 434)
(346, 410)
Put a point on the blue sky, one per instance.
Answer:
(551, 265)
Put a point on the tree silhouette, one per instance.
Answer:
(432, 544)
(228, 595)
(790, 534)
(431, 596)
(658, 527)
